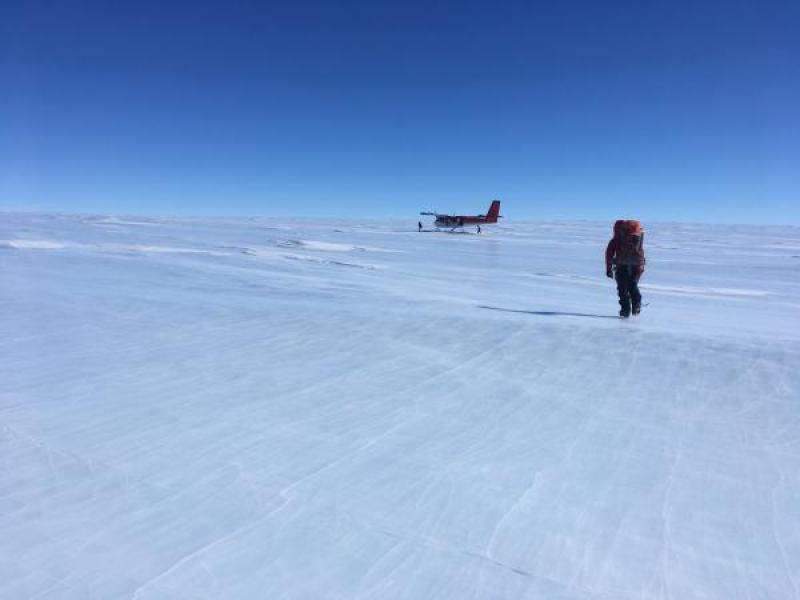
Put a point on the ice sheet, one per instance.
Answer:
(195, 408)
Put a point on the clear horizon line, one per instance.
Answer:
(175, 216)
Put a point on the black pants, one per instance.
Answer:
(627, 287)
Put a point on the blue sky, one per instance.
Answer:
(662, 111)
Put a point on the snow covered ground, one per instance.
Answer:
(258, 408)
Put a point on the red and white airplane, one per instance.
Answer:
(453, 222)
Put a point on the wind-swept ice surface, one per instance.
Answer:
(258, 408)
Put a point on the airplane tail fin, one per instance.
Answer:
(494, 212)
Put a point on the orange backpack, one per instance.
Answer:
(627, 227)
(630, 242)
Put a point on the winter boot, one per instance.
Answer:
(637, 308)
(624, 306)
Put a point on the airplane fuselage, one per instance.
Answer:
(451, 221)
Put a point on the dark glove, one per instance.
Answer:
(610, 273)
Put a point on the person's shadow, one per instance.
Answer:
(548, 313)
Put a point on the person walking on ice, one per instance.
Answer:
(625, 262)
